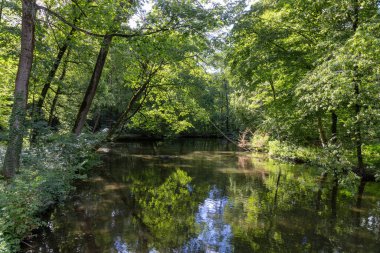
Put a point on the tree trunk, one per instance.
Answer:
(53, 71)
(334, 126)
(273, 89)
(358, 135)
(97, 121)
(53, 106)
(124, 116)
(93, 85)
(38, 110)
(227, 106)
(58, 92)
(17, 119)
(322, 133)
(1, 9)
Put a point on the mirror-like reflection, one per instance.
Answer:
(204, 196)
(214, 233)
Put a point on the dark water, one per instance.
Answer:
(203, 196)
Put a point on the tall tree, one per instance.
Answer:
(357, 81)
(58, 91)
(17, 120)
(92, 86)
(53, 70)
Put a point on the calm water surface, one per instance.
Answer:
(204, 196)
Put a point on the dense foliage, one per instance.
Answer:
(46, 176)
(301, 75)
(307, 72)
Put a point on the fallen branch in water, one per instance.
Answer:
(228, 138)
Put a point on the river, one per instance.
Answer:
(199, 195)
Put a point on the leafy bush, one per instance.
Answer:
(286, 151)
(331, 157)
(260, 141)
(45, 178)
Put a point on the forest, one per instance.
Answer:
(297, 80)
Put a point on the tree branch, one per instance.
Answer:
(117, 34)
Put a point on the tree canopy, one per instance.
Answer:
(304, 72)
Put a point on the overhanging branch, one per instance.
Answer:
(94, 34)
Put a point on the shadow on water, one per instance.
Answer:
(204, 196)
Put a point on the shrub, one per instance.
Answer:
(260, 142)
(45, 178)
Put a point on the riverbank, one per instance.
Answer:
(327, 158)
(46, 178)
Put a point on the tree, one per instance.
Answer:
(93, 85)
(182, 16)
(17, 119)
(290, 60)
(154, 67)
(270, 52)
(336, 85)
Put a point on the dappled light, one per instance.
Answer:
(189, 126)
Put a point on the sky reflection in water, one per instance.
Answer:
(215, 233)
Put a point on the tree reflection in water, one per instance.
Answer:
(192, 197)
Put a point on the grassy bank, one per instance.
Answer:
(45, 178)
(327, 158)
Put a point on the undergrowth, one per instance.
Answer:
(332, 157)
(45, 178)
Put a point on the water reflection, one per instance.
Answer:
(122, 247)
(215, 234)
(203, 196)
